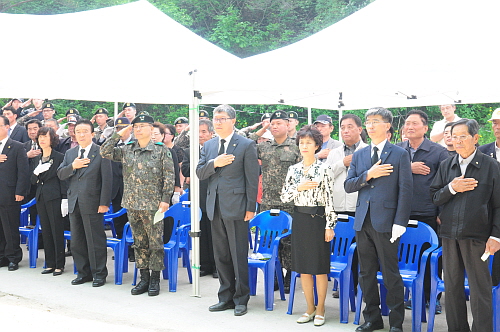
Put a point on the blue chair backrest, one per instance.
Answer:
(182, 216)
(127, 233)
(23, 221)
(269, 227)
(344, 237)
(412, 243)
(184, 197)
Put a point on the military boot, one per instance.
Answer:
(142, 286)
(154, 283)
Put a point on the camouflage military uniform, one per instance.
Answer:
(276, 158)
(98, 132)
(148, 178)
(182, 140)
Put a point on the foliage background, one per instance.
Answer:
(244, 28)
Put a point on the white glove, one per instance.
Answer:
(107, 132)
(176, 198)
(41, 168)
(64, 207)
(397, 231)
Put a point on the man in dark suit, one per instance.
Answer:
(381, 173)
(32, 150)
(14, 184)
(90, 180)
(229, 162)
(466, 188)
(16, 131)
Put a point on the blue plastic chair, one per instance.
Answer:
(24, 217)
(271, 229)
(412, 264)
(110, 215)
(342, 248)
(31, 234)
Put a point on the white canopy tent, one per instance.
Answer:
(392, 53)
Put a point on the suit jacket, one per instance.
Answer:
(19, 134)
(388, 197)
(236, 183)
(14, 173)
(47, 183)
(489, 150)
(91, 186)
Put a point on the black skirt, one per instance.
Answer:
(310, 252)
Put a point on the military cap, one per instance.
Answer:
(143, 113)
(265, 116)
(204, 114)
(293, 115)
(101, 110)
(279, 115)
(121, 122)
(72, 111)
(143, 118)
(73, 118)
(128, 105)
(181, 120)
(48, 105)
(324, 119)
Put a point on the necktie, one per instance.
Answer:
(375, 155)
(82, 151)
(221, 149)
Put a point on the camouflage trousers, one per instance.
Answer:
(285, 248)
(148, 239)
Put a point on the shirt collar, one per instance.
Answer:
(467, 160)
(380, 145)
(227, 139)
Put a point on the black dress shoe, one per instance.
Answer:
(98, 282)
(13, 266)
(79, 281)
(369, 326)
(215, 275)
(240, 310)
(47, 271)
(204, 273)
(58, 273)
(395, 329)
(221, 306)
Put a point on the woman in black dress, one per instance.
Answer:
(310, 185)
(50, 192)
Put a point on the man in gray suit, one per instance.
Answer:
(89, 179)
(229, 162)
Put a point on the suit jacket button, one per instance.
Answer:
(373, 186)
(367, 202)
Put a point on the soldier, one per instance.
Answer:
(182, 128)
(293, 119)
(101, 118)
(129, 111)
(277, 155)
(148, 176)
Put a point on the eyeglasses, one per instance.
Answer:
(141, 127)
(373, 123)
(460, 138)
(221, 120)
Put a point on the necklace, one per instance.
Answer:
(307, 168)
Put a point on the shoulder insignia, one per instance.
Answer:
(159, 143)
(131, 142)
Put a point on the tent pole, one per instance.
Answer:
(116, 109)
(309, 116)
(194, 185)
(340, 114)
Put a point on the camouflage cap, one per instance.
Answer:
(279, 115)
(143, 118)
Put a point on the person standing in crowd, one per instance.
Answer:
(46, 112)
(52, 123)
(36, 109)
(71, 141)
(381, 174)
(425, 156)
(129, 110)
(16, 132)
(466, 188)
(90, 180)
(16, 104)
(145, 165)
(264, 122)
(50, 193)
(325, 127)
(448, 112)
(293, 119)
(229, 162)
(32, 151)
(15, 185)
(203, 115)
(309, 185)
(207, 259)
(181, 125)
(100, 117)
(447, 139)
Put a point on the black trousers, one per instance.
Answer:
(207, 259)
(461, 256)
(10, 239)
(230, 241)
(88, 244)
(374, 248)
(52, 224)
(121, 220)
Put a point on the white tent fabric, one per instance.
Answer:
(131, 52)
(439, 51)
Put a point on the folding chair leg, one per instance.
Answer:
(291, 296)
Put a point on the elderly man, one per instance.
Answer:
(229, 162)
(325, 127)
(381, 174)
(448, 112)
(425, 159)
(466, 188)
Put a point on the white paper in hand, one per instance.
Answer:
(158, 216)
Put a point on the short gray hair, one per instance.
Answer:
(209, 124)
(383, 112)
(472, 126)
(51, 120)
(231, 113)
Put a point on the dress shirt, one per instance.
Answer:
(87, 150)
(380, 147)
(228, 139)
(349, 150)
(497, 152)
